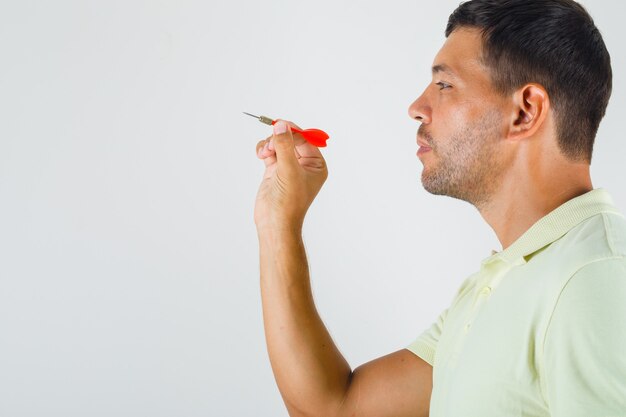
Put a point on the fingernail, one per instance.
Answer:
(270, 146)
(280, 127)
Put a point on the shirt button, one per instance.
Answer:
(486, 291)
(467, 327)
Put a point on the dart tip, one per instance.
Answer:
(250, 114)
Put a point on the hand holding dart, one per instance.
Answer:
(315, 137)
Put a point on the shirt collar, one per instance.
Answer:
(556, 224)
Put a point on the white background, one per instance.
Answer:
(128, 252)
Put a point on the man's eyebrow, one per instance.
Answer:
(442, 68)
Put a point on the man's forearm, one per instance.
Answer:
(311, 373)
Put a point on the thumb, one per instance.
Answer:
(284, 145)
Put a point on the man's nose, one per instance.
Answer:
(420, 110)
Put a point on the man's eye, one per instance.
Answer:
(443, 85)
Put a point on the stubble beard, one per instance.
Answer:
(469, 167)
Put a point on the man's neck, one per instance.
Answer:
(517, 205)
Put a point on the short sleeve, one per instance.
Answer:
(426, 343)
(585, 344)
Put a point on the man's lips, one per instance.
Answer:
(424, 146)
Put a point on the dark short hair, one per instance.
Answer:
(554, 43)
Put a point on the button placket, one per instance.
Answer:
(486, 288)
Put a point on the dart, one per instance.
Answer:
(315, 137)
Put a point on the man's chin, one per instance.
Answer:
(435, 185)
(430, 184)
(429, 178)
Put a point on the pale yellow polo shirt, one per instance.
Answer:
(540, 329)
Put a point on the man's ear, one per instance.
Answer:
(531, 104)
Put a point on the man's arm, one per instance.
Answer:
(313, 377)
(584, 368)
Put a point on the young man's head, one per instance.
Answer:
(510, 71)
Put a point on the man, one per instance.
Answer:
(507, 124)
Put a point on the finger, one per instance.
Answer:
(265, 150)
(283, 144)
(269, 160)
(262, 152)
(261, 144)
(303, 147)
(268, 156)
(261, 147)
(292, 124)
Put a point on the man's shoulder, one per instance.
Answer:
(584, 274)
(596, 242)
(600, 237)
(599, 245)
